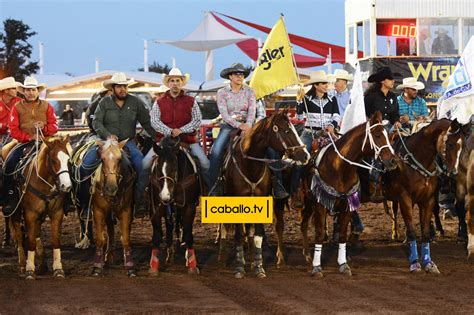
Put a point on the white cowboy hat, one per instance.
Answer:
(8, 83)
(343, 74)
(175, 72)
(118, 78)
(30, 83)
(411, 83)
(317, 77)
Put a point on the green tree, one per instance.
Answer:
(15, 51)
(156, 67)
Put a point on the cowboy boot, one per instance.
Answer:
(279, 191)
(11, 204)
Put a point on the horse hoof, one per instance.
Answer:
(194, 271)
(239, 273)
(97, 272)
(317, 272)
(30, 275)
(131, 273)
(59, 274)
(260, 272)
(432, 268)
(345, 270)
(415, 267)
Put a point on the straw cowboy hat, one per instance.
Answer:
(343, 75)
(235, 67)
(30, 83)
(175, 72)
(411, 83)
(8, 83)
(319, 76)
(381, 74)
(118, 78)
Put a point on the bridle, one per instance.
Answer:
(373, 145)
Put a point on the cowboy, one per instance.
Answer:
(411, 107)
(341, 92)
(8, 98)
(116, 119)
(237, 106)
(30, 120)
(178, 115)
(443, 44)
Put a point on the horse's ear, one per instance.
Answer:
(466, 129)
(455, 125)
(122, 143)
(158, 150)
(99, 143)
(376, 117)
(66, 139)
(47, 142)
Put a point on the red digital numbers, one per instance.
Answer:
(403, 30)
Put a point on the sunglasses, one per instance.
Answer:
(238, 73)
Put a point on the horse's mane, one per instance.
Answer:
(259, 130)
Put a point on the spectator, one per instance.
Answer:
(443, 44)
(68, 116)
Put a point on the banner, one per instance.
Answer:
(355, 112)
(275, 69)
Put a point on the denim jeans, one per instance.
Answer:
(307, 139)
(217, 152)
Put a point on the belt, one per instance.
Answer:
(313, 128)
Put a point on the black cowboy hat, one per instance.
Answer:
(381, 74)
(236, 67)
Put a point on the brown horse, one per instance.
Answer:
(175, 192)
(332, 182)
(46, 180)
(112, 196)
(247, 174)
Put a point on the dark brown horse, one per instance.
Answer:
(175, 191)
(332, 183)
(112, 195)
(247, 174)
(46, 180)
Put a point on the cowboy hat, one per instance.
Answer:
(411, 83)
(8, 83)
(162, 89)
(235, 67)
(317, 77)
(175, 72)
(118, 78)
(343, 75)
(441, 30)
(30, 83)
(381, 74)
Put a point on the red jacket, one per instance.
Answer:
(18, 121)
(175, 113)
(5, 111)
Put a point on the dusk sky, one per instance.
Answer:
(75, 33)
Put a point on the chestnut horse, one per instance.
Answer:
(332, 183)
(247, 173)
(112, 196)
(44, 182)
(175, 191)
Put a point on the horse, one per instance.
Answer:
(112, 196)
(175, 191)
(246, 173)
(332, 182)
(44, 182)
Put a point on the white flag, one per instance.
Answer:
(458, 99)
(355, 111)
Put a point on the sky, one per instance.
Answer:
(75, 33)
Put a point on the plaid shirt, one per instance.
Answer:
(417, 107)
(237, 107)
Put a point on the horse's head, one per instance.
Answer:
(376, 142)
(110, 153)
(449, 145)
(58, 157)
(284, 138)
(165, 167)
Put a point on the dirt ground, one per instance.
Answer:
(380, 283)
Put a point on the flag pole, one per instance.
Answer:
(291, 46)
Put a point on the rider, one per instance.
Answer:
(95, 100)
(322, 113)
(411, 107)
(116, 119)
(8, 98)
(178, 115)
(237, 106)
(30, 119)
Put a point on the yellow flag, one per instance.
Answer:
(275, 69)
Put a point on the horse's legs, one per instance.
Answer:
(6, 233)
(18, 237)
(462, 226)
(395, 233)
(222, 255)
(189, 212)
(39, 251)
(438, 224)
(109, 253)
(470, 220)
(406, 209)
(125, 224)
(156, 242)
(426, 212)
(318, 221)
(239, 246)
(279, 209)
(169, 236)
(30, 219)
(100, 234)
(56, 224)
(258, 257)
(305, 216)
(344, 218)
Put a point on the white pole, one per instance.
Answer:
(329, 61)
(209, 68)
(173, 62)
(96, 65)
(41, 58)
(145, 55)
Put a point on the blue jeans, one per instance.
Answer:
(217, 153)
(307, 139)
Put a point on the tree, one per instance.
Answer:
(156, 67)
(15, 51)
